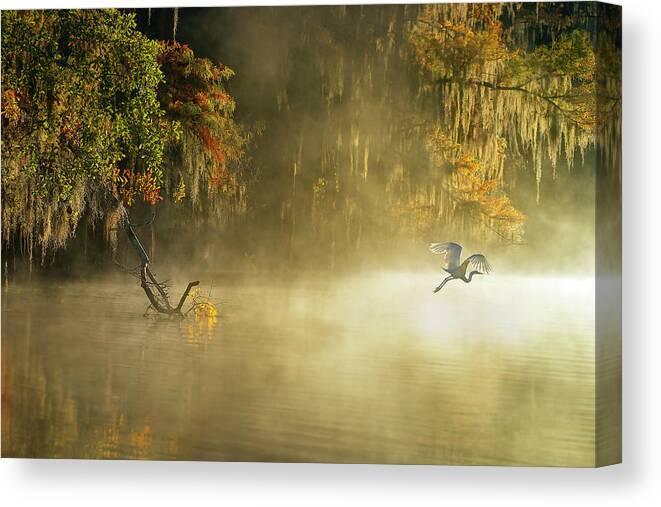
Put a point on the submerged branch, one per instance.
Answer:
(159, 301)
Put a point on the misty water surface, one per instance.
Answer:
(356, 369)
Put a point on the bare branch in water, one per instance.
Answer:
(156, 292)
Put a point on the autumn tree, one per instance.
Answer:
(82, 128)
(97, 118)
(505, 101)
(477, 197)
(194, 96)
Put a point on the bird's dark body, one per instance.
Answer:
(459, 272)
(456, 270)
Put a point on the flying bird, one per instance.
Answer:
(451, 253)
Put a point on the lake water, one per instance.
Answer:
(371, 369)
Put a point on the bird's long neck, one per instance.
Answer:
(470, 276)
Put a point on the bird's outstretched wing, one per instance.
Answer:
(451, 253)
(480, 263)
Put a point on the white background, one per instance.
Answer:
(636, 482)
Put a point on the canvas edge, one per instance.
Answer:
(608, 272)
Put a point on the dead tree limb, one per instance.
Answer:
(156, 292)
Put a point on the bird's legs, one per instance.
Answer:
(445, 280)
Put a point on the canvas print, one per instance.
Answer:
(340, 234)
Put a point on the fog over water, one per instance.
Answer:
(370, 368)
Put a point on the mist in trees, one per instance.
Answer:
(323, 138)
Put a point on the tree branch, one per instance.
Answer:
(520, 89)
(160, 303)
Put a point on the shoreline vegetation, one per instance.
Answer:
(397, 126)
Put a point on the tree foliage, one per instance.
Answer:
(504, 98)
(476, 197)
(558, 78)
(386, 124)
(92, 111)
(194, 95)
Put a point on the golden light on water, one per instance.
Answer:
(373, 368)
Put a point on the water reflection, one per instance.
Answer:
(370, 369)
